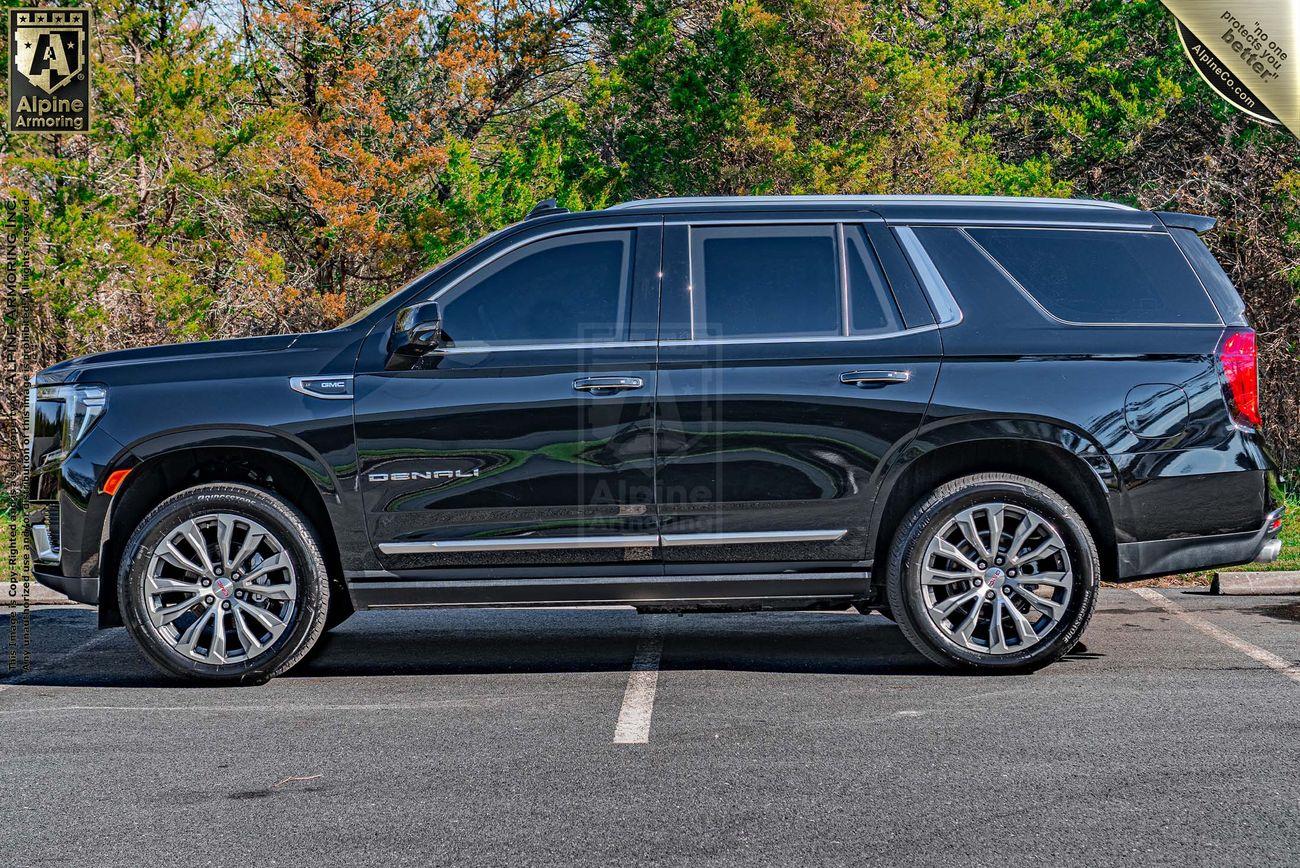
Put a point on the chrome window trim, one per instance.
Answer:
(522, 544)
(519, 348)
(946, 309)
(1054, 318)
(819, 339)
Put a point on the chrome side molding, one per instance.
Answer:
(524, 544)
(674, 540)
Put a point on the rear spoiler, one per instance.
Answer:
(1198, 223)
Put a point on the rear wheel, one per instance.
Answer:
(224, 583)
(993, 571)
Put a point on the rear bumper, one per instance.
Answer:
(1139, 560)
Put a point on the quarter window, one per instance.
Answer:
(1101, 276)
(568, 289)
(768, 281)
(872, 309)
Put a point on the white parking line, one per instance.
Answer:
(639, 697)
(1268, 658)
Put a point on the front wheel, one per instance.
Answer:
(224, 583)
(994, 572)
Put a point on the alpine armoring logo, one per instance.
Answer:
(49, 70)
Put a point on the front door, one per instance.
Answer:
(788, 371)
(528, 438)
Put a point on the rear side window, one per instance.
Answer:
(769, 281)
(1216, 280)
(1088, 276)
(569, 289)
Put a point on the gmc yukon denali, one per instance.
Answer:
(963, 413)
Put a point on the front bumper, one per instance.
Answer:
(44, 538)
(83, 589)
(1140, 560)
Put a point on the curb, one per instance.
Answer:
(1263, 583)
(38, 594)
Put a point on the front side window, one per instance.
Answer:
(567, 289)
(765, 281)
(1101, 276)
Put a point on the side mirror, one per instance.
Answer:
(417, 330)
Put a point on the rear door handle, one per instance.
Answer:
(874, 378)
(607, 385)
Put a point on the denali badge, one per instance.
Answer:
(422, 474)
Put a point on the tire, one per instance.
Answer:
(174, 598)
(920, 591)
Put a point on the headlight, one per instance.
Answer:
(82, 407)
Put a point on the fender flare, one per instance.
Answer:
(1070, 443)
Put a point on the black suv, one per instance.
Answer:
(961, 412)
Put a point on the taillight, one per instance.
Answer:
(1237, 358)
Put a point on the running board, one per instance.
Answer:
(606, 590)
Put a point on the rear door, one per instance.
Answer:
(789, 367)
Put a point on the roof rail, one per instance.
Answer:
(545, 207)
(869, 200)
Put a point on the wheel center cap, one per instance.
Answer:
(993, 575)
(223, 587)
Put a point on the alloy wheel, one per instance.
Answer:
(220, 588)
(996, 578)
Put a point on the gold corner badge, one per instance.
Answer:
(49, 70)
(1246, 51)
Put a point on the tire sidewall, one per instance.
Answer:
(289, 528)
(905, 573)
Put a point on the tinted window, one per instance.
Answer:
(571, 289)
(767, 281)
(871, 304)
(1212, 275)
(1101, 276)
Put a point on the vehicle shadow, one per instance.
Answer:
(68, 651)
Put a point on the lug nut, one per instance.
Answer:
(205, 582)
(998, 561)
(217, 570)
(209, 599)
(239, 595)
(235, 576)
(977, 581)
(989, 595)
(1006, 589)
(1011, 573)
(983, 566)
(225, 604)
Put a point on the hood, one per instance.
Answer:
(84, 367)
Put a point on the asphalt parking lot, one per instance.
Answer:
(601, 737)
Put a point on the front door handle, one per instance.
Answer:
(607, 385)
(874, 378)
